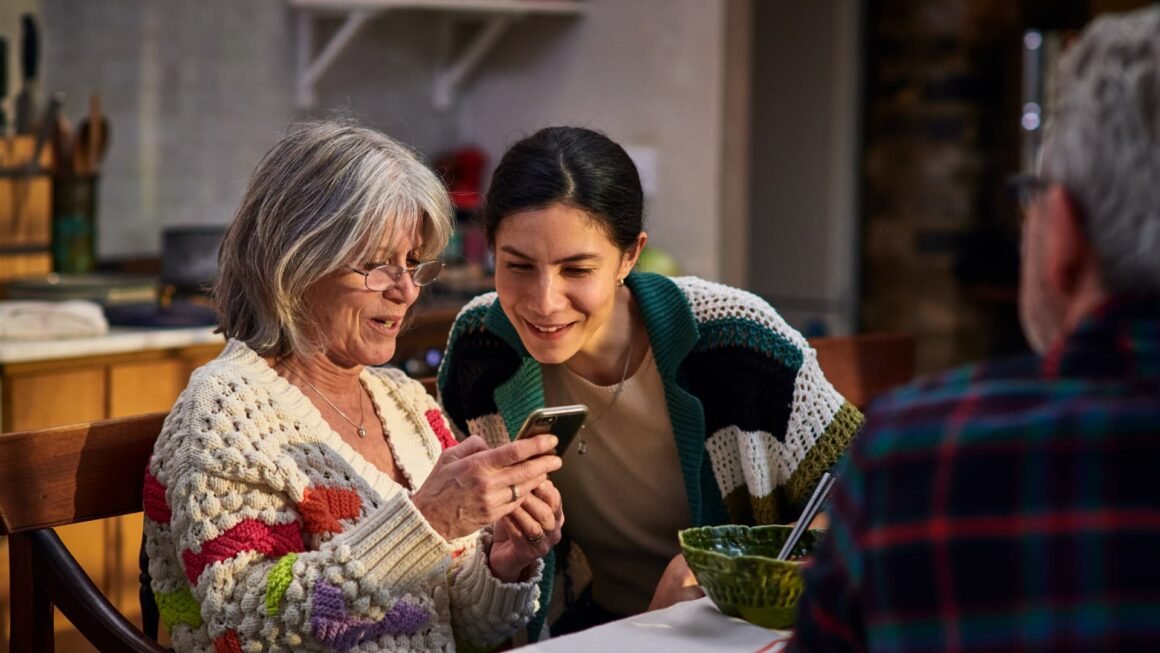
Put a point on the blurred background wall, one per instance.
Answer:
(842, 158)
(199, 89)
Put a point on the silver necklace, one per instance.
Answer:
(362, 432)
(582, 446)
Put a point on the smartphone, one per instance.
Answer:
(564, 422)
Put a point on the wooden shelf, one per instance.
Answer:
(455, 67)
(484, 6)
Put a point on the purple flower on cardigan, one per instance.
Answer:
(332, 626)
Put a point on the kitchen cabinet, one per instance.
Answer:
(456, 65)
(40, 394)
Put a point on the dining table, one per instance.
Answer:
(691, 626)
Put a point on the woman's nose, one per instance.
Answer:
(548, 297)
(404, 290)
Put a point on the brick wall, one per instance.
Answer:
(940, 257)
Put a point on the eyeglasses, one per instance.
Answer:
(385, 277)
(1027, 188)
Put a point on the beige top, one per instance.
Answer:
(624, 498)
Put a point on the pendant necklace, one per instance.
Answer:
(582, 446)
(362, 432)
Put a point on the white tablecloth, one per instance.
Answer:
(690, 626)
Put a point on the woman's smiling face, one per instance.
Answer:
(556, 274)
(361, 326)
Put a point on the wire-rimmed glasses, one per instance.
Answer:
(385, 277)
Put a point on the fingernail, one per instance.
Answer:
(555, 440)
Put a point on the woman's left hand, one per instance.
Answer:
(528, 533)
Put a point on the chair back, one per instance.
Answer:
(431, 385)
(863, 366)
(66, 475)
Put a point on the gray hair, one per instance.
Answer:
(326, 196)
(1103, 144)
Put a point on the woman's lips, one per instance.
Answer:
(388, 325)
(548, 332)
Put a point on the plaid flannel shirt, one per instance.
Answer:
(1006, 506)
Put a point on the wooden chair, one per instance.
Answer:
(431, 384)
(863, 366)
(66, 475)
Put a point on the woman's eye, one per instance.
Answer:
(577, 272)
(511, 265)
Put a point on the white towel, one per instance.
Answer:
(37, 320)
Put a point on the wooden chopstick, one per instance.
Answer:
(808, 513)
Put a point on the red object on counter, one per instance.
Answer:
(462, 171)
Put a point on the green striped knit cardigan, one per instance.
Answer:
(755, 421)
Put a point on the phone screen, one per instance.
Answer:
(564, 422)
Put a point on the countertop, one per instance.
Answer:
(118, 340)
(434, 318)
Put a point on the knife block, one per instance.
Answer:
(25, 209)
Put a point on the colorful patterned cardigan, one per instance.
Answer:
(265, 531)
(756, 423)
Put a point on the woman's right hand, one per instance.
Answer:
(677, 584)
(471, 484)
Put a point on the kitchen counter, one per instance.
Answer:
(117, 341)
(127, 371)
(134, 370)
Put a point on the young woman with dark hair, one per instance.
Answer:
(705, 406)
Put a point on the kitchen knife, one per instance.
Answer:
(29, 62)
(47, 128)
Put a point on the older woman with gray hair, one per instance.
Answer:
(300, 498)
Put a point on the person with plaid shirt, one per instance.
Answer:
(1015, 505)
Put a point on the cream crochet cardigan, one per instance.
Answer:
(266, 532)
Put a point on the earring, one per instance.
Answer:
(619, 282)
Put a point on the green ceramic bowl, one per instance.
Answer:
(736, 567)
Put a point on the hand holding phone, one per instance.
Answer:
(564, 422)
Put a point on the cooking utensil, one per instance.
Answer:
(189, 257)
(29, 62)
(92, 138)
(811, 509)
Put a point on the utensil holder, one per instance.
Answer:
(74, 223)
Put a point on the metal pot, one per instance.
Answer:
(189, 257)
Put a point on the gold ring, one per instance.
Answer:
(515, 492)
(537, 538)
